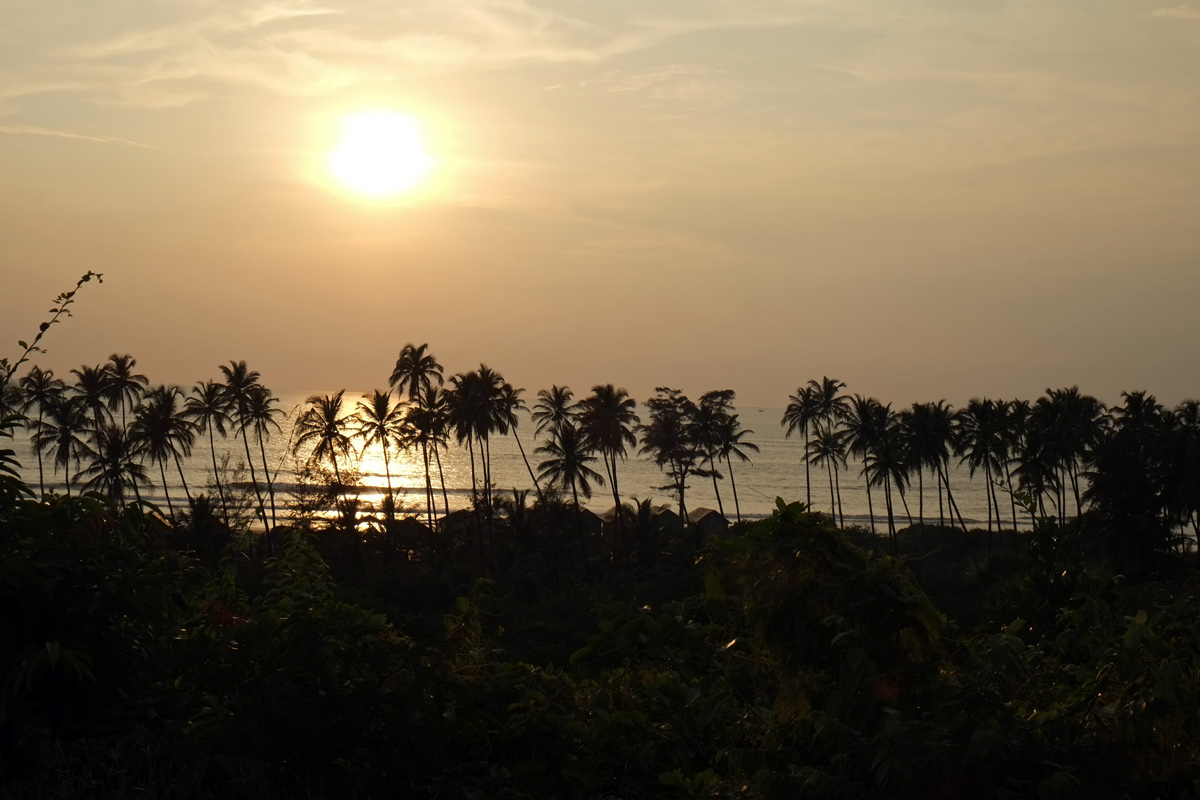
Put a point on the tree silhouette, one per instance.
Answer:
(240, 381)
(60, 433)
(510, 403)
(39, 389)
(567, 465)
(162, 430)
(91, 383)
(554, 406)
(111, 464)
(798, 417)
(322, 427)
(733, 442)
(866, 421)
(124, 384)
(209, 407)
(419, 374)
(668, 436)
(608, 418)
(828, 447)
(378, 421)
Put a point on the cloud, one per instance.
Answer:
(1183, 11)
(31, 130)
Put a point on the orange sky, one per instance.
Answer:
(925, 199)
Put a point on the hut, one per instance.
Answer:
(707, 521)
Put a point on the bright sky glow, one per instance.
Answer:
(381, 154)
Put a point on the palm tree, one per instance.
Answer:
(1079, 428)
(39, 389)
(711, 413)
(732, 442)
(669, 436)
(209, 408)
(928, 432)
(511, 403)
(91, 383)
(419, 374)
(828, 447)
(112, 463)
(162, 430)
(885, 463)
(240, 381)
(124, 384)
(322, 427)
(379, 421)
(866, 420)
(553, 407)
(477, 409)
(435, 410)
(799, 416)
(263, 415)
(60, 432)
(980, 429)
(607, 419)
(568, 466)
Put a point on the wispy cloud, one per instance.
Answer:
(1183, 11)
(32, 130)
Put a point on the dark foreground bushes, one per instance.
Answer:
(806, 667)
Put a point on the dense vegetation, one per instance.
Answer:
(523, 653)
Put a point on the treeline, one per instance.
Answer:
(1131, 467)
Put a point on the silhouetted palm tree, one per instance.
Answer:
(866, 420)
(263, 415)
(510, 403)
(928, 432)
(669, 437)
(322, 427)
(419, 374)
(162, 430)
(554, 406)
(60, 433)
(712, 411)
(240, 381)
(799, 416)
(124, 384)
(379, 421)
(981, 444)
(886, 464)
(733, 442)
(112, 464)
(607, 419)
(568, 466)
(39, 389)
(91, 383)
(828, 447)
(1079, 427)
(209, 407)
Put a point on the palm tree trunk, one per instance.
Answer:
(837, 482)
(437, 455)
(870, 504)
(987, 497)
(267, 474)
(832, 498)
(262, 508)
(941, 506)
(387, 471)
(41, 475)
(212, 444)
(183, 480)
(887, 495)
(524, 458)
(921, 493)
(945, 475)
(1012, 498)
(162, 470)
(587, 568)
(807, 480)
(733, 485)
(904, 500)
(713, 469)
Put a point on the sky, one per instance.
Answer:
(926, 199)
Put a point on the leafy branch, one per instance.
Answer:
(61, 309)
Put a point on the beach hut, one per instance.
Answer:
(707, 521)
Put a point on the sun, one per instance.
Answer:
(381, 154)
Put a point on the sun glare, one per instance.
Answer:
(381, 154)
